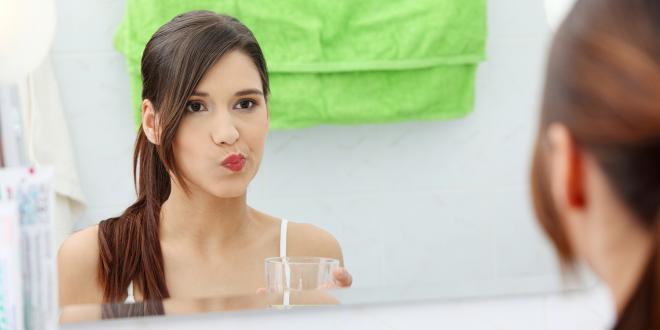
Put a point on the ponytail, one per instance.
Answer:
(129, 244)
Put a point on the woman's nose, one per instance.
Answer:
(224, 132)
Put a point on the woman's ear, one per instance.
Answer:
(566, 170)
(150, 121)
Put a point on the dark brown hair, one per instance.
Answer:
(173, 62)
(603, 85)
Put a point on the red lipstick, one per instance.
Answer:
(234, 163)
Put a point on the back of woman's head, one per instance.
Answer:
(603, 85)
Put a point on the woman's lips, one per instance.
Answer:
(234, 162)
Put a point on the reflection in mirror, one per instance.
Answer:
(204, 123)
(392, 142)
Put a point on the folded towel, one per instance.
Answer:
(344, 62)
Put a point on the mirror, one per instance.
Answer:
(428, 209)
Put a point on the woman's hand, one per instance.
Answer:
(342, 278)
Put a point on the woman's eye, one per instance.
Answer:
(244, 104)
(195, 107)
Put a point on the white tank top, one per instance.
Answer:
(130, 298)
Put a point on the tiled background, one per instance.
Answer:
(424, 203)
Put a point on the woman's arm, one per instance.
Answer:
(77, 265)
(309, 240)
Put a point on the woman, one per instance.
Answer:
(191, 233)
(596, 170)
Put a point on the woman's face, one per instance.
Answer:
(220, 140)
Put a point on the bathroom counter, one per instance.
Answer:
(569, 310)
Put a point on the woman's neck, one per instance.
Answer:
(205, 221)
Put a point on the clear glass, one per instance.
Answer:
(299, 273)
(297, 278)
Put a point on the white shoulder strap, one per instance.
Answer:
(283, 229)
(287, 270)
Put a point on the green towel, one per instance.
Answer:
(343, 61)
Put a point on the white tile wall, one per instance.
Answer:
(416, 202)
(95, 94)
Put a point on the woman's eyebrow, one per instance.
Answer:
(199, 93)
(250, 91)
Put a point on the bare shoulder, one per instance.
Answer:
(77, 264)
(303, 239)
(308, 240)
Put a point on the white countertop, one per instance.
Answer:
(571, 310)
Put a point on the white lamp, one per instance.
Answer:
(27, 28)
(556, 11)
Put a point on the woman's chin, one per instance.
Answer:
(229, 193)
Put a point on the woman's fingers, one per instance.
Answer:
(342, 278)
